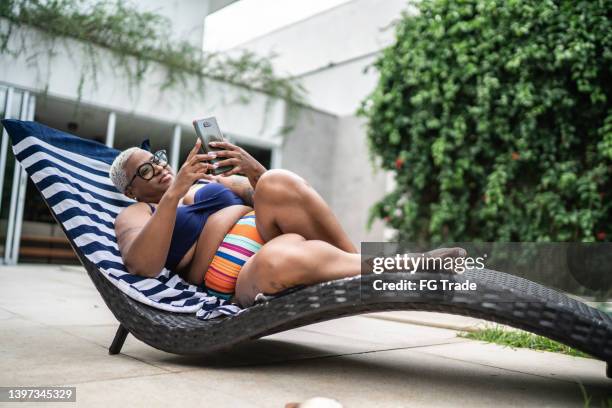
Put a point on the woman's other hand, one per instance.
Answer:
(242, 161)
(194, 169)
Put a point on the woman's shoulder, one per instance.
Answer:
(134, 210)
(137, 207)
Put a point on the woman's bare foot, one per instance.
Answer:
(455, 252)
(442, 253)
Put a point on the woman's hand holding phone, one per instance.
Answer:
(240, 159)
(195, 168)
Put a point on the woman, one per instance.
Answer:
(207, 231)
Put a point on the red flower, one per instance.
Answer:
(387, 218)
(399, 162)
(601, 235)
(515, 156)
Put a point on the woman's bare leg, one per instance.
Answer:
(289, 260)
(286, 203)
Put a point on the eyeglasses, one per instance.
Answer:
(146, 171)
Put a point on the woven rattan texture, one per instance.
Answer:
(501, 298)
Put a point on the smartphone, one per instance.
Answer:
(208, 131)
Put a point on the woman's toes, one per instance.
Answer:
(446, 253)
(459, 252)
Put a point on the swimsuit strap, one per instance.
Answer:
(197, 182)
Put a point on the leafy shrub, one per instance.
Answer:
(495, 117)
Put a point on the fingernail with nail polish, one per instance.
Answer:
(215, 166)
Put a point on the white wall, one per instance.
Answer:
(352, 32)
(328, 52)
(331, 154)
(357, 185)
(187, 16)
(113, 91)
(343, 32)
(340, 89)
(256, 18)
(328, 150)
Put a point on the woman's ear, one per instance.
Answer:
(129, 193)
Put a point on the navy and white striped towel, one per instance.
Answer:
(72, 175)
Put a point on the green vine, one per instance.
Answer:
(495, 118)
(138, 40)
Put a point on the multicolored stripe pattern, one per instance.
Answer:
(240, 243)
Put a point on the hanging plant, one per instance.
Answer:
(137, 40)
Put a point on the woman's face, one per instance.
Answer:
(149, 191)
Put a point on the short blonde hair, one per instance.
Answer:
(117, 171)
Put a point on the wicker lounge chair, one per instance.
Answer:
(501, 297)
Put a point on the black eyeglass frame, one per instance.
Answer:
(159, 158)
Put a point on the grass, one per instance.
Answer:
(588, 399)
(520, 339)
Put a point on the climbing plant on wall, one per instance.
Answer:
(495, 117)
(137, 40)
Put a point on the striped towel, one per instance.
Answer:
(72, 175)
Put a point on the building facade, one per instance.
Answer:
(327, 145)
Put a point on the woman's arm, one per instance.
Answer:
(240, 159)
(243, 163)
(143, 239)
(239, 185)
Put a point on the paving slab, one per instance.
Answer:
(318, 340)
(387, 333)
(292, 345)
(395, 378)
(5, 314)
(32, 354)
(47, 294)
(171, 390)
(432, 319)
(587, 371)
(62, 337)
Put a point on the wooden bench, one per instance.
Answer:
(46, 247)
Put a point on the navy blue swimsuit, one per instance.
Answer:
(190, 219)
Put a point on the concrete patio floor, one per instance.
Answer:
(56, 329)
